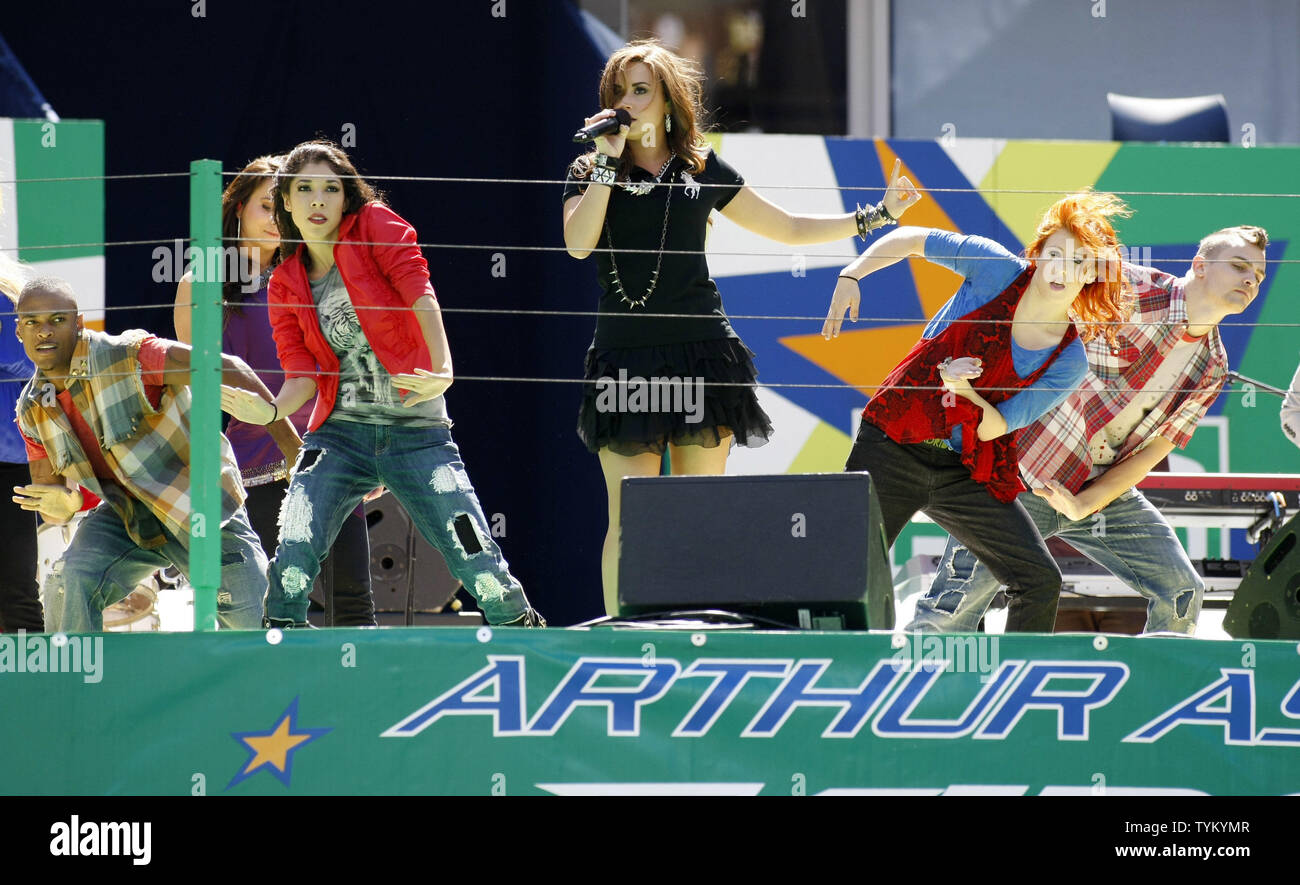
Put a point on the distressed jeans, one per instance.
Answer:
(1131, 540)
(908, 478)
(102, 565)
(342, 461)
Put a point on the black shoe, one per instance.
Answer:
(530, 618)
(286, 624)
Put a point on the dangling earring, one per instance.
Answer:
(668, 121)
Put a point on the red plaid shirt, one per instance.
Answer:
(1056, 446)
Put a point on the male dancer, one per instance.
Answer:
(112, 413)
(1141, 398)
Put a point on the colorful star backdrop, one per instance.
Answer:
(996, 189)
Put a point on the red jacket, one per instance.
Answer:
(393, 275)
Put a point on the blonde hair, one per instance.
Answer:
(682, 82)
(1242, 233)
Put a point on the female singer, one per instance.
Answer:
(652, 187)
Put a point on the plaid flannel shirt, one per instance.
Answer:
(148, 449)
(1056, 446)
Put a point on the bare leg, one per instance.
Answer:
(615, 467)
(699, 461)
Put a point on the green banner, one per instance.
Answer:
(60, 192)
(462, 711)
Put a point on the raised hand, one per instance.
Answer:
(901, 193)
(610, 145)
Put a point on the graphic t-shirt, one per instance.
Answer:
(366, 391)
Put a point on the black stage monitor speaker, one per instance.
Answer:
(1266, 604)
(408, 576)
(807, 550)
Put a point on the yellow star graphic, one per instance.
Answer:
(274, 748)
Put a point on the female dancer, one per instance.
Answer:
(265, 453)
(355, 319)
(931, 440)
(612, 202)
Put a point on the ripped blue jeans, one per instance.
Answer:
(340, 462)
(1128, 537)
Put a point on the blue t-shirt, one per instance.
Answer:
(15, 371)
(989, 269)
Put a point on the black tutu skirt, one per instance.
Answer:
(637, 400)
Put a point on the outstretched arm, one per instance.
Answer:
(906, 242)
(236, 374)
(1118, 479)
(763, 217)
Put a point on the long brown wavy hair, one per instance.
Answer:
(242, 188)
(357, 192)
(682, 82)
(1104, 303)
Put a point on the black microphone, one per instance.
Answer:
(604, 127)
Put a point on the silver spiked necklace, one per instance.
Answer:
(641, 189)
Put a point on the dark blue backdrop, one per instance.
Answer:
(433, 90)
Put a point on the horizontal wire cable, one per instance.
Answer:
(759, 254)
(89, 245)
(693, 316)
(452, 179)
(639, 381)
(850, 256)
(449, 179)
(490, 311)
(502, 311)
(118, 177)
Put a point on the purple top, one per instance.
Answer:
(248, 336)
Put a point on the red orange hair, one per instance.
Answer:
(1103, 303)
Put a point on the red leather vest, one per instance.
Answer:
(908, 413)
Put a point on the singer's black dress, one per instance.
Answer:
(696, 347)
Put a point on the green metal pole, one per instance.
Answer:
(205, 383)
